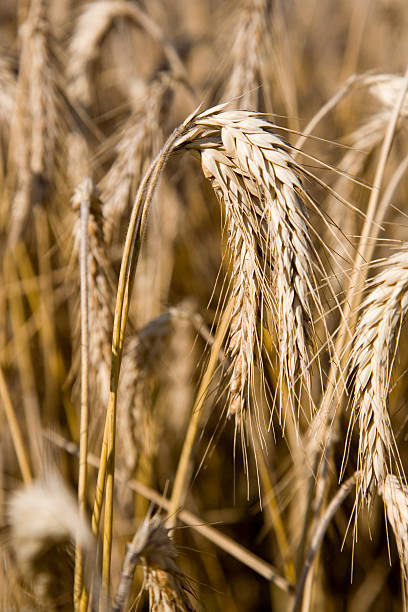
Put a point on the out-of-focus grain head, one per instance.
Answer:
(100, 289)
(36, 132)
(44, 523)
(167, 586)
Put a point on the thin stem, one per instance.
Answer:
(100, 486)
(16, 436)
(21, 340)
(354, 292)
(213, 535)
(319, 533)
(183, 473)
(326, 108)
(134, 237)
(83, 435)
(335, 381)
(271, 505)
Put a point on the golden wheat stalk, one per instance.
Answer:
(136, 230)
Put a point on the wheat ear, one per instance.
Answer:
(242, 242)
(91, 28)
(155, 551)
(259, 185)
(245, 158)
(100, 288)
(138, 144)
(395, 496)
(35, 127)
(371, 362)
(246, 72)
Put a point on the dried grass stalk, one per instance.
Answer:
(372, 358)
(131, 252)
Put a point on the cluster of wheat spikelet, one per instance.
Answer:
(204, 240)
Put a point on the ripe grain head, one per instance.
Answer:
(100, 289)
(260, 187)
(371, 363)
(395, 496)
(166, 584)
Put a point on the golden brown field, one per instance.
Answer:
(204, 285)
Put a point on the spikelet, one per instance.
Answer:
(371, 361)
(44, 519)
(259, 185)
(166, 584)
(242, 334)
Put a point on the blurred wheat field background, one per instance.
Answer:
(203, 300)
